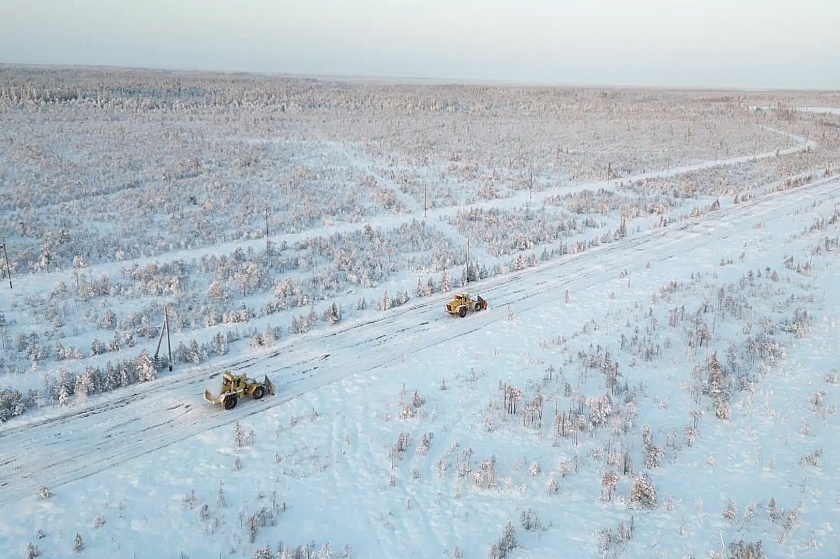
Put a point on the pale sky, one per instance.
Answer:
(683, 43)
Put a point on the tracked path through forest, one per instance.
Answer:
(438, 218)
(75, 443)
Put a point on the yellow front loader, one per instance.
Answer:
(237, 386)
(461, 304)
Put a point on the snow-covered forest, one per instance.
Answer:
(660, 267)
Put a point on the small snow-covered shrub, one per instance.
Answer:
(530, 521)
(729, 513)
(78, 543)
(31, 552)
(507, 543)
(425, 443)
(722, 409)
(399, 448)
(485, 476)
(745, 550)
(190, 499)
(811, 459)
(552, 486)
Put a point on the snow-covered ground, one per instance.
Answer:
(822, 110)
(323, 445)
(668, 392)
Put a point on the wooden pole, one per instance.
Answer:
(266, 228)
(168, 343)
(160, 337)
(8, 268)
(467, 269)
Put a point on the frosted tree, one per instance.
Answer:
(332, 314)
(445, 286)
(63, 395)
(44, 493)
(508, 542)
(145, 367)
(472, 272)
(219, 344)
(217, 292)
(643, 492)
(182, 354)
(78, 543)
(82, 386)
(609, 481)
(109, 320)
(46, 258)
(128, 373)
(385, 302)
(430, 286)
(247, 278)
(196, 352)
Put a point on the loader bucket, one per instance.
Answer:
(269, 386)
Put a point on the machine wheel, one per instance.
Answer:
(478, 306)
(259, 392)
(230, 402)
(462, 312)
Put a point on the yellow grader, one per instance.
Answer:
(461, 304)
(237, 386)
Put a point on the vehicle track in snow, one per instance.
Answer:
(437, 218)
(70, 444)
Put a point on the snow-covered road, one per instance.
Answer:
(64, 445)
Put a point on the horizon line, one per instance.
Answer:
(423, 80)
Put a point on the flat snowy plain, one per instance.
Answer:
(671, 393)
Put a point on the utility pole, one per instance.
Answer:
(168, 342)
(266, 226)
(530, 185)
(467, 268)
(8, 268)
(164, 326)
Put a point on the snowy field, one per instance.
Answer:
(656, 375)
